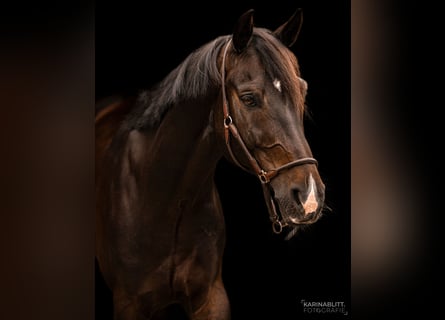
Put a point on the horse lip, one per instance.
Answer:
(296, 221)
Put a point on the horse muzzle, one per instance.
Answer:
(301, 202)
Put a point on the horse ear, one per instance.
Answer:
(288, 31)
(243, 31)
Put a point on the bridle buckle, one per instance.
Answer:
(264, 178)
(227, 121)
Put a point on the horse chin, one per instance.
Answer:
(294, 225)
(292, 221)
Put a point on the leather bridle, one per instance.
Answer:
(265, 176)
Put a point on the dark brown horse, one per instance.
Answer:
(160, 227)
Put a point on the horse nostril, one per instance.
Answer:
(296, 195)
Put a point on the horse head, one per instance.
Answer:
(263, 103)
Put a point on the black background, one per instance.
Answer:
(138, 43)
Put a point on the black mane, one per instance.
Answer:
(192, 78)
(199, 72)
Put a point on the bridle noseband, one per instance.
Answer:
(265, 176)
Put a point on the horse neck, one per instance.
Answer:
(181, 156)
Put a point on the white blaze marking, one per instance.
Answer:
(311, 204)
(277, 84)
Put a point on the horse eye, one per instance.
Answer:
(249, 100)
